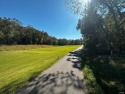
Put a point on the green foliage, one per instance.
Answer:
(104, 74)
(12, 32)
(102, 25)
(90, 81)
(103, 28)
(19, 66)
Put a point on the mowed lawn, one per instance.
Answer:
(19, 66)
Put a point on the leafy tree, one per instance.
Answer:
(102, 25)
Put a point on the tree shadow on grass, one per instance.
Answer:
(108, 74)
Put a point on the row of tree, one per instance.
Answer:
(12, 32)
(102, 25)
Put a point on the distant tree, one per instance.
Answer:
(12, 32)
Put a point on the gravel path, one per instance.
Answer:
(64, 77)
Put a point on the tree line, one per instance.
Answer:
(12, 32)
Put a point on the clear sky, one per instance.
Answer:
(51, 16)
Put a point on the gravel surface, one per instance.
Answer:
(64, 77)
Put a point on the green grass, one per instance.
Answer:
(104, 74)
(21, 47)
(19, 66)
(90, 81)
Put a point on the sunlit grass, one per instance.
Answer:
(19, 66)
(21, 47)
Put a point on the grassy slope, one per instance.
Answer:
(17, 67)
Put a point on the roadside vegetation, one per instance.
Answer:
(90, 81)
(103, 57)
(104, 74)
(17, 66)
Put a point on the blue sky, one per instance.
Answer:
(51, 16)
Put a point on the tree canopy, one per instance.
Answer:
(102, 25)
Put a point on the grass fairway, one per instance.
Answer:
(19, 66)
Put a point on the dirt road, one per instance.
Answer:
(64, 77)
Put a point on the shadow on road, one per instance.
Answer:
(58, 82)
(75, 53)
(55, 83)
(74, 57)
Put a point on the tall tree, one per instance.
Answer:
(102, 24)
